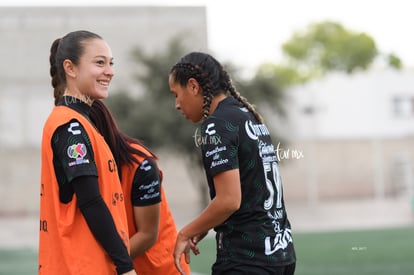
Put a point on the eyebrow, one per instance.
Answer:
(105, 57)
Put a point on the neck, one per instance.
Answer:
(216, 100)
(84, 98)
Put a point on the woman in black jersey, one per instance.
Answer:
(247, 209)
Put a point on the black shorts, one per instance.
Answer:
(240, 269)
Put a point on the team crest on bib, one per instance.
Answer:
(78, 152)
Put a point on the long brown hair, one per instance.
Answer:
(119, 143)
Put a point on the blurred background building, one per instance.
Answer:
(356, 134)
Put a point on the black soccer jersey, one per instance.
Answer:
(259, 232)
(146, 186)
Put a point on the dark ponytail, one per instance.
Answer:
(119, 143)
(58, 81)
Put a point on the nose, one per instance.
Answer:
(177, 105)
(109, 71)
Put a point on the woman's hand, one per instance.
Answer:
(132, 272)
(195, 240)
(222, 206)
(182, 246)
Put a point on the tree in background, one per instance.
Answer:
(326, 47)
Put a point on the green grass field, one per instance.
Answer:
(379, 252)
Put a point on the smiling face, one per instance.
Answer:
(89, 80)
(188, 98)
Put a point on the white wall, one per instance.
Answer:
(353, 106)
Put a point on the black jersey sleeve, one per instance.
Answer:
(72, 157)
(220, 146)
(100, 221)
(146, 186)
(72, 152)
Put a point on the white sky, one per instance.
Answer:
(249, 32)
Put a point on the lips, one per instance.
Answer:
(104, 82)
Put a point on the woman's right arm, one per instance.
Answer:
(224, 204)
(100, 221)
(146, 201)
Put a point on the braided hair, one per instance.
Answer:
(211, 76)
(68, 47)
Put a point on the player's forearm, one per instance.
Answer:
(141, 242)
(217, 212)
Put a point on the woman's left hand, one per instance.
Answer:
(182, 246)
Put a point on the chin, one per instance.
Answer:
(102, 95)
(192, 118)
